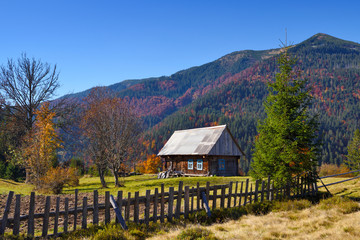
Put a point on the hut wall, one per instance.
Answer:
(180, 163)
(224, 166)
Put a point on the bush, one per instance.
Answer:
(196, 234)
(332, 169)
(110, 232)
(291, 205)
(56, 178)
(259, 208)
(344, 204)
(13, 172)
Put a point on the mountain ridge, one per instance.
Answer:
(230, 90)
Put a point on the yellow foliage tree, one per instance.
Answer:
(151, 165)
(41, 144)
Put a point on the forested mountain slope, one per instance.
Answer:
(231, 91)
(332, 67)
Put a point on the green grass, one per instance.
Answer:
(133, 184)
(19, 188)
(350, 189)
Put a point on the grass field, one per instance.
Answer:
(139, 183)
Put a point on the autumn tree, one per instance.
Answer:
(41, 144)
(285, 145)
(151, 165)
(111, 129)
(353, 157)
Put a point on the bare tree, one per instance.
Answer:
(25, 84)
(111, 129)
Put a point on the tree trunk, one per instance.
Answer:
(116, 176)
(27, 174)
(102, 177)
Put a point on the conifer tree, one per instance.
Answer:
(285, 144)
(353, 157)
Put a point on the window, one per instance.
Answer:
(190, 164)
(199, 165)
(221, 164)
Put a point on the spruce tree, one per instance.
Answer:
(353, 157)
(285, 144)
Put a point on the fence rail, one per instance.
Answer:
(160, 206)
(336, 175)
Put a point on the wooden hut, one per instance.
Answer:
(202, 152)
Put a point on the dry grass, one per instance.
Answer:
(309, 223)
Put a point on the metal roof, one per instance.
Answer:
(202, 141)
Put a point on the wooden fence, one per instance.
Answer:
(160, 205)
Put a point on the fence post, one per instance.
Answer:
(236, 192)
(222, 203)
(241, 193)
(192, 199)
(197, 196)
(262, 191)
(66, 215)
(207, 191)
(17, 215)
(214, 197)
(56, 221)
(256, 190)
(96, 208)
(156, 202)
(127, 208)
(251, 193)
(186, 202)
(46, 217)
(230, 194)
(84, 213)
(75, 208)
(136, 208)
(170, 203)
(107, 207)
(31, 224)
(179, 198)
(147, 207)
(162, 204)
(271, 192)
(246, 191)
(6, 213)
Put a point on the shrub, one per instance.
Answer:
(110, 232)
(332, 169)
(56, 178)
(259, 208)
(196, 234)
(2, 169)
(344, 204)
(291, 205)
(138, 234)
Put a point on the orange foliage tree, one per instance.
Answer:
(41, 144)
(151, 165)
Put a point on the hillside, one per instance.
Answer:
(231, 90)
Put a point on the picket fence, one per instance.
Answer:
(160, 206)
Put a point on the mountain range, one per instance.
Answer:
(231, 90)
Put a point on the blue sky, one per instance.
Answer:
(104, 42)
